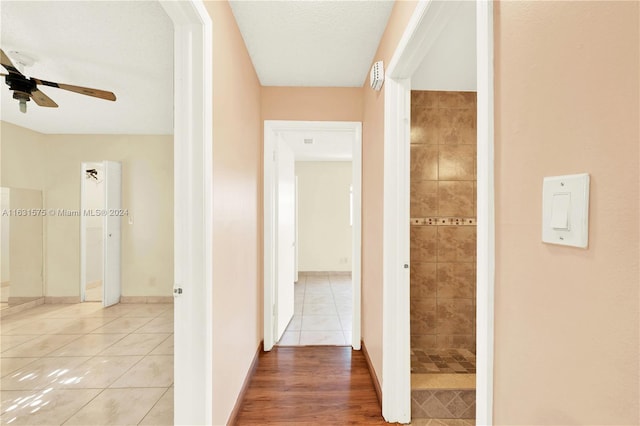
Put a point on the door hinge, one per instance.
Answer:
(177, 291)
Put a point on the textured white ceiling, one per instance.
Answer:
(328, 145)
(312, 43)
(122, 46)
(450, 63)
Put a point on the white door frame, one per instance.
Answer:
(271, 129)
(83, 230)
(422, 30)
(193, 211)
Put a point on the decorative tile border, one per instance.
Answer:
(443, 221)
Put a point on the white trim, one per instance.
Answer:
(356, 238)
(193, 211)
(396, 359)
(424, 26)
(271, 129)
(486, 216)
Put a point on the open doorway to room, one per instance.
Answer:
(135, 336)
(441, 76)
(91, 232)
(315, 239)
(443, 221)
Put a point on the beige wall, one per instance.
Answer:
(25, 246)
(147, 193)
(372, 190)
(52, 163)
(324, 231)
(22, 167)
(566, 319)
(22, 158)
(312, 103)
(237, 291)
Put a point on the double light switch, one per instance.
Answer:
(565, 210)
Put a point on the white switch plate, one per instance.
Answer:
(566, 197)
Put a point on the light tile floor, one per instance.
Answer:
(323, 310)
(84, 364)
(93, 292)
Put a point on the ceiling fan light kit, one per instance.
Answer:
(24, 89)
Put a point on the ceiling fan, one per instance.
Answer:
(24, 89)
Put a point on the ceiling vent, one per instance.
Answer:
(308, 141)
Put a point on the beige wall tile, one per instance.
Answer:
(423, 280)
(455, 198)
(464, 341)
(455, 99)
(423, 244)
(456, 162)
(424, 162)
(424, 198)
(424, 135)
(424, 98)
(446, 277)
(455, 316)
(423, 315)
(457, 136)
(423, 340)
(456, 243)
(456, 280)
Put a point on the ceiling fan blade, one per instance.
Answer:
(96, 93)
(6, 62)
(42, 99)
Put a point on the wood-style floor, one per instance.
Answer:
(313, 385)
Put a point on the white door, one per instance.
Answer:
(295, 239)
(285, 237)
(112, 223)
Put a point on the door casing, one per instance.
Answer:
(193, 211)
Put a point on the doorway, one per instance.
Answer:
(323, 288)
(101, 214)
(92, 200)
(335, 287)
(426, 24)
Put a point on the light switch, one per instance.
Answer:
(560, 211)
(565, 210)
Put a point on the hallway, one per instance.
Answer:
(311, 385)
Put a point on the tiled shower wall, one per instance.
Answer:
(443, 212)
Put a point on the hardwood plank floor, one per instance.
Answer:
(313, 385)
